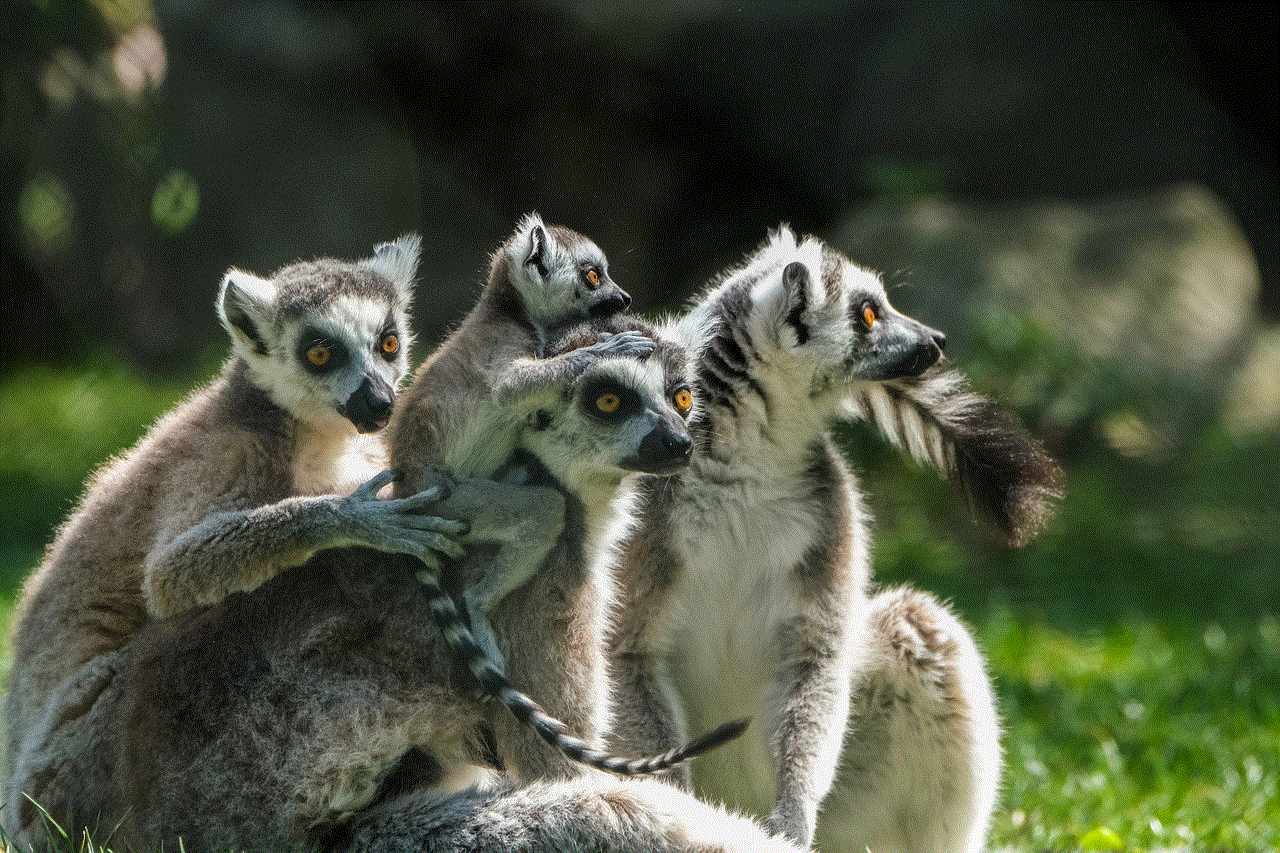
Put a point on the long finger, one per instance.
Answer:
(443, 545)
(369, 490)
(434, 523)
(424, 498)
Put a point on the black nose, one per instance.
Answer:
(369, 406)
(664, 450)
(940, 340)
(610, 303)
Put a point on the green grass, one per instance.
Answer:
(1135, 647)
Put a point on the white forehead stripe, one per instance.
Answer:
(632, 373)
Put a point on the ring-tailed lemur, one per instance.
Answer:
(743, 583)
(463, 415)
(263, 723)
(243, 479)
(463, 412)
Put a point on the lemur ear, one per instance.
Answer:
(795, 284)
(530, 246)
(793, 296)
(397, 262)
(245, 305)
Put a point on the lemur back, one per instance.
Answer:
(744, 581)
(236, 483)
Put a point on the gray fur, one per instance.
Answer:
(604, 816)
(745, 577)
(463, 416)
(243, 479)
(261, 724)
(463, 412)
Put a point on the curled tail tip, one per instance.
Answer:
(717, 737)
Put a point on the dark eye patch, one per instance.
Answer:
(596, 390)
(313, 337)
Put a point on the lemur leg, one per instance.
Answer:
(812, 705)
(648, 717)
(527, 377)
(62, 760)
(191, 569)
(525, 522)
(594, 812)
(921, 764)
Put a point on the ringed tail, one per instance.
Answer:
(463, 644)
(975, 442)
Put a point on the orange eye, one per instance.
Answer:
(868, 315)
(608, 403)
(319, 355)
(390, 344)
(683, 400)
(593, 277)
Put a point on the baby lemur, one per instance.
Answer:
(262, 724)
(742, 586)
(462, 414)
(462, 417)
(243, 479)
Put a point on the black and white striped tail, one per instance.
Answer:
(464, 646)
(972, 440)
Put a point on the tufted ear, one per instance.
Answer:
(246, 305)
(794, 299)
(397, 262)
(529, 247)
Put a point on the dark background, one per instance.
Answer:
(673, 133)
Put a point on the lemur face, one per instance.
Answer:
(621, 415)
(562, 276)
(328, 340)
(828, 315)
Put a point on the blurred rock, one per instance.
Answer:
(1253, 397)
(1157, 291)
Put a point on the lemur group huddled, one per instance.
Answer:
(585, 536)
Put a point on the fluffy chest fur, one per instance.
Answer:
(335, 462)
(739, 547)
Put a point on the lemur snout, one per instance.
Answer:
(664, 450)
(369, 406)
(611, 304)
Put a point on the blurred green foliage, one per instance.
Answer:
(56, 427)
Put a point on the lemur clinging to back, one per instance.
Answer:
(469, 403)
(305, 718)
(249, 475)
(743, 583)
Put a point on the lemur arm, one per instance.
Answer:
(526, 377)
(240, 550)
(813, 710)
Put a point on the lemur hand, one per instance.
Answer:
(397, 526)
(625, 344)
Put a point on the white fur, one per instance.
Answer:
(397, 262)
(739, 533)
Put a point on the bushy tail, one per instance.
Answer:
(463, 645)
(972, 440)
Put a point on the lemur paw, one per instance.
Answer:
(397, 526)
(624, 344)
